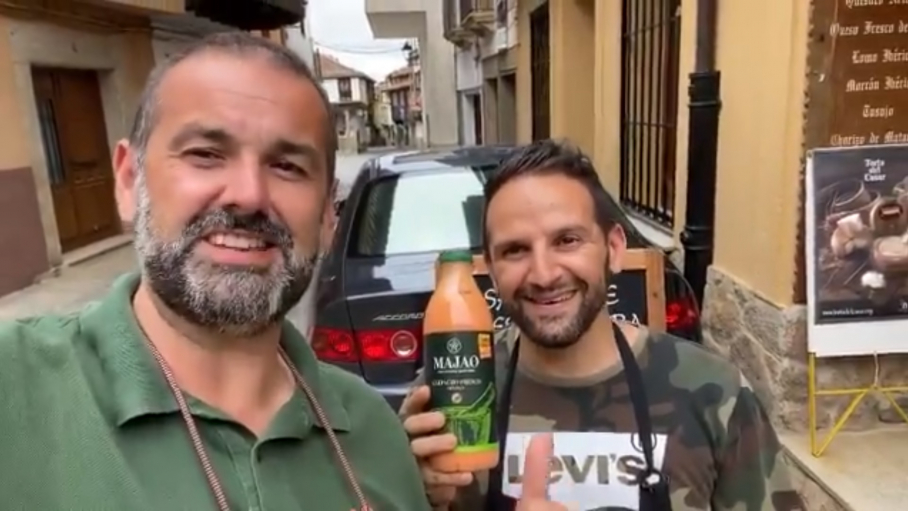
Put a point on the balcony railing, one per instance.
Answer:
(477, 14)
(466, 8)
(168, 6)
(470, 8)
(449, 15)
(464, 19)
(453, 28)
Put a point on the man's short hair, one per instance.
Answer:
(551, 157)
(232, 43)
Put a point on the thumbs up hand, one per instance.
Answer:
(536, 466)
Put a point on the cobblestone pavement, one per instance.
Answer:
(74, 287)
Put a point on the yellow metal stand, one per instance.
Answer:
(859, 394)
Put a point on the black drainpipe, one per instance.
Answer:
(702, 146)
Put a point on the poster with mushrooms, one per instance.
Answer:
(859, 239)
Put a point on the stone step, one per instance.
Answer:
(859, 471)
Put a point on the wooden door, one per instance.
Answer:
(78, 159)
(476, 103)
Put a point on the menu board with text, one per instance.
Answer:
(858, 63)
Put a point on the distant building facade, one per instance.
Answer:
(403, 92)
(352, 93)
(422, 22)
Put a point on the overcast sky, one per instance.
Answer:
(340, 28)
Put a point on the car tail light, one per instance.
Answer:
(681, 314)
(404, 344)
(393, 345)
(388, 345)
(334, 345)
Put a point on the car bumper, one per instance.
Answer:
(394, 394)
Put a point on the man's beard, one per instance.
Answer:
(562, 331)
(235, 301)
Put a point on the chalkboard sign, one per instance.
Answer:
(635, 295)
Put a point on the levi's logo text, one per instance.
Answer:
(589, 470)
(460, 371)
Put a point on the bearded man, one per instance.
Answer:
(184, 388)
(595, 415)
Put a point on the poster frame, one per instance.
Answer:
(875, 337)
(865, 336)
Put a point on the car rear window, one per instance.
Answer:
(421, 212)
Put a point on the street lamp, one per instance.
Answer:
(410, 54)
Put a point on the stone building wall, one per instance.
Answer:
(769, 344)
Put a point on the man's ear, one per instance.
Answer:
(125, 174)
(616, 242)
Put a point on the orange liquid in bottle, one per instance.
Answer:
(460, 365)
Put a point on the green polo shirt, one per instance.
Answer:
(87, 423)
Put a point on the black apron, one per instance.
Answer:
(653, 484)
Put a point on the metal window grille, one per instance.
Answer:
(649, 106)
(539, 71)
(344, 89)
(466, 8)
(449, 16)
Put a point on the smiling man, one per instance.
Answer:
(552, 244)
(184, 388)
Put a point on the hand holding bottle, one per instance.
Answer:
(428, 439)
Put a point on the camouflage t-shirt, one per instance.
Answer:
(712, 437)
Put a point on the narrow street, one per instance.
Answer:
(87, 281)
